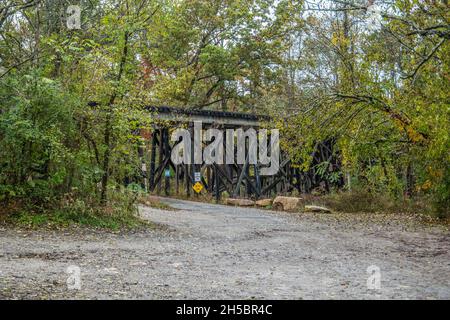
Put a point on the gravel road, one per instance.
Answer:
(206, 251)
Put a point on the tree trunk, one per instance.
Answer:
(108, 124)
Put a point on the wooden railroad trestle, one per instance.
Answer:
(160, 175)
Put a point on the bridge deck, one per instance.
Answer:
(207, 116)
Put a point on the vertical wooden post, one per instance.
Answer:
(177, 179)
(161, 157)
(209, 179)
(187, 167)
(151, 181)
(257, 180)
(241, 177)
(193, 165)
(216, 184)
(167, 155)
(187, 180)
(247, 171)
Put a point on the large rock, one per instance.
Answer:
(286, 203)
(240, 202)
(312, 208)
(264, 202)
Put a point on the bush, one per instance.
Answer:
(38, 139)
(120, 213)
(49, 168)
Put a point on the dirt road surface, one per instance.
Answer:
(207, 251)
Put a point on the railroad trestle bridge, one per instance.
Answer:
(160, 175)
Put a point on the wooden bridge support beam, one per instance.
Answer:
(234, 179)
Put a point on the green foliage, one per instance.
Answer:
(75, 210)
(210, 52)
(382, 94)
(79, 213)
(38, 138)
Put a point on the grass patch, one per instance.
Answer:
(357, 202)
(120, 213)
(363, 201)
(203, 197)
(66, 218)
(155, 202)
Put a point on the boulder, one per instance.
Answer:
(264, 202)
(312, 208)
(286, 203)
(240, 202)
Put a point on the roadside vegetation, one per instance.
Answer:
(120, 214)
(380, 92)
(154, 202)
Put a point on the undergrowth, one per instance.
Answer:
(120, 213)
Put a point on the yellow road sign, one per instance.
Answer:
(197, 187)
